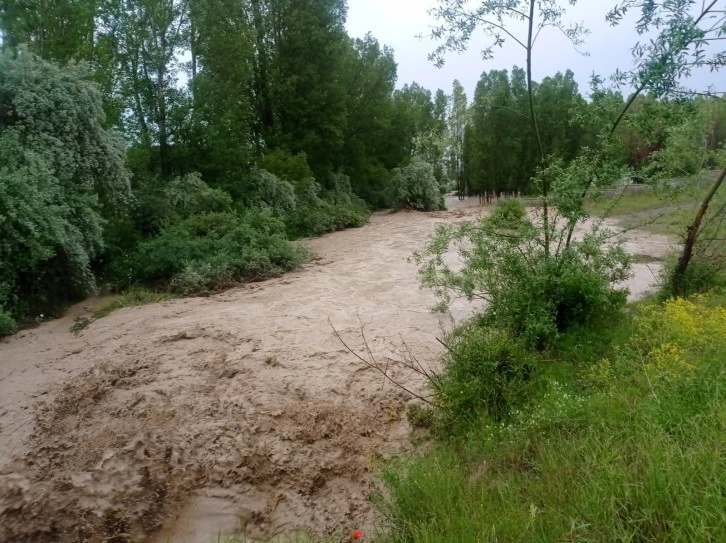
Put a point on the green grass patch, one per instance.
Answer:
(132, 298)
(620, 439)
(627, 204)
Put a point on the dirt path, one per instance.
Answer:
(241, 409)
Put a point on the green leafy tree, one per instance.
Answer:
(458, 118)
(416, 187)
(61, 172)
(372, 143)
(683, 42)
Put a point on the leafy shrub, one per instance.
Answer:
(215, 246)
(273, 192)
(315, 220)
(531, 293)
(421, 416)
(61, 172)
(7, 323)
(415, 187)
(292, 168)
(485, 371)
(508, 212)
(190, 195)
(200, 278)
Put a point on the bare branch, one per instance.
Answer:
(373, 364)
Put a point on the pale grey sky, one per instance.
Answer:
(397, 23)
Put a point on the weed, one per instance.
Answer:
(621, 439)
(132, 298)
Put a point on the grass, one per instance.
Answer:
(625, 442)
(132, 298)
(300, 537)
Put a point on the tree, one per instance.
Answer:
(372, 145)
(457, 124)
(494, 18)
(58, 30)
(308, 98)
(61, 174)
(500, 159)
(223, 132)
(150, 37)
(683, 43)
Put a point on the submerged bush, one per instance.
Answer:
(415, 187)
(217, 247)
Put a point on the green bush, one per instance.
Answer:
(201, 278)
(190, 195)
(508, 212)
(315, 220)
(485, 371)
(530, 293)
(421, 416)
(273, 192)
(61, 175)
(208, 248)
(415, 187)
(292, 168)
(7, 323)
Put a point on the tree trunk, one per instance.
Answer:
(161, 90)
(680, 272)
(535, 127)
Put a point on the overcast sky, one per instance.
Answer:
(397, 23)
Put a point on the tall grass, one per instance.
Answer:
(625, 441)
(133, 297)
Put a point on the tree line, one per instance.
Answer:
(499, 153)
(182, 143)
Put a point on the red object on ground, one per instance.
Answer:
(355, 535)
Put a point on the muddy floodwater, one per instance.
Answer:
(182, 420)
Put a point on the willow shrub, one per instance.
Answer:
(62, 174)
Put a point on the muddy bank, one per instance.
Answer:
(203, 415)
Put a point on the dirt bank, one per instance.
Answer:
(208, 414)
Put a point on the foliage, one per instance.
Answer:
(415, 187)
(485, 371)
(325, 217)
(292, 168)
(215, 248)
(421, 416)
(272, 192)
(133, 297)
(60, 173)
(623, 446)
(190, 195)
(531, 294)
(7, 323)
